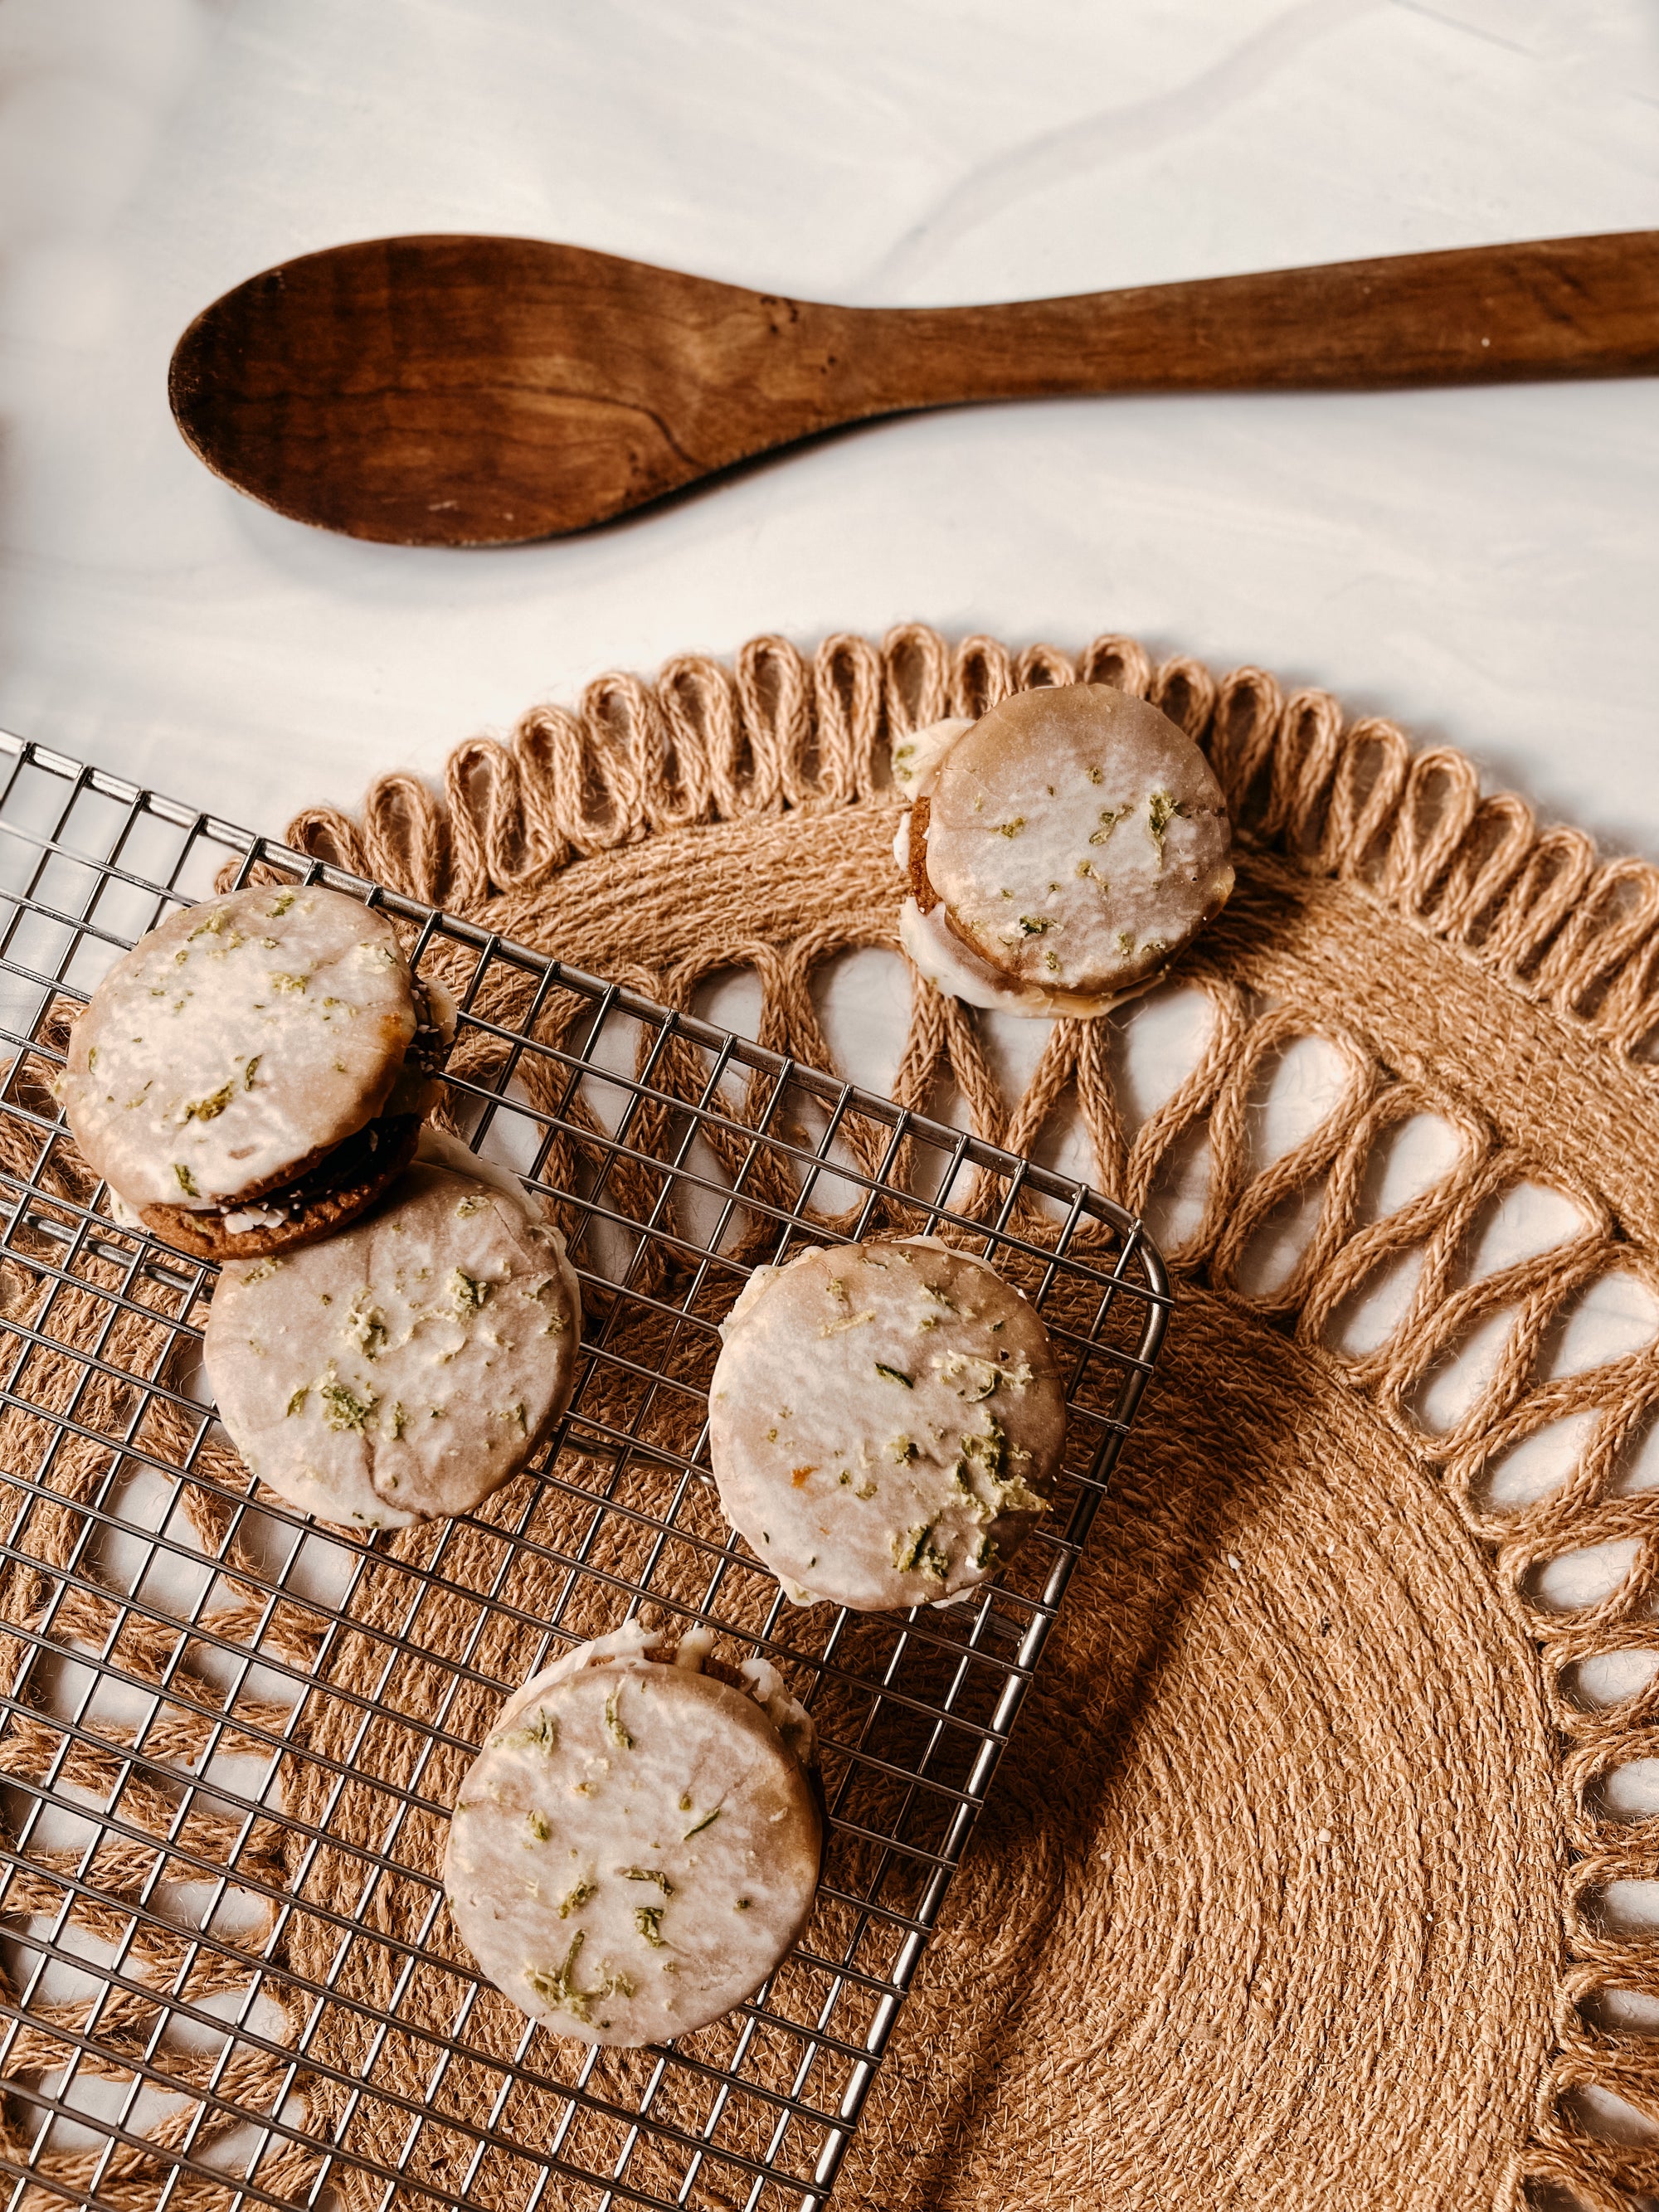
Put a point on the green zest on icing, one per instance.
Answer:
(186, 1180)
(1035, 924)
(613, 1721)
(1008, 828)
(707, 1821)
(297, 1404)
(341, 1410)
(558, 1990)
(577, 1899)
(913, 1551)
(467, 1292)
(648, 1918)
(209, 1108)
(648, 1874)
(540, 1827)
(894, 1375)
(1162, 809)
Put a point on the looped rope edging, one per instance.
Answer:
(704, 744)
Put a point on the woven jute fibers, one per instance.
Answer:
(1301, 1885)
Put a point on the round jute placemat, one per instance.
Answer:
(1302, 1882)
(1305, 1882)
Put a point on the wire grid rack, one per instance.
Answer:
(230, 1738)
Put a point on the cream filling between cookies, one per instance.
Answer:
(415, 1092)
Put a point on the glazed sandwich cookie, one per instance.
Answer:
(405, 1369)
(1061, 851)
(254, 1072)
(885, 1422)
(637, 1846)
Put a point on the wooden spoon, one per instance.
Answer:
(458, 391)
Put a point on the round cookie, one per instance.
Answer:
(405, 1367)
(1061, 850)
(252, 1073)
(885, 1422)
(637, 1846)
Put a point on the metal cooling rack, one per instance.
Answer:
(125, 2075)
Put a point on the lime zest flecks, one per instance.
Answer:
(558, 1987)
(1162, 809)
(648, 1918)
(707, 1821)
(894, 1375)
(210, 1108)
(914, 1551)
(341, 1410)
(648, 1874)
(613, 1721)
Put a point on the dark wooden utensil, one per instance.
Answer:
(457, 391)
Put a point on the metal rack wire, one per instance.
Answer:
(229, 1739)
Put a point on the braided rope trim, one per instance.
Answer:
(1344, 799)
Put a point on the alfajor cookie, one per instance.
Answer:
(254, 1074)
(885, 1422)
(406, 1367)
(1061, 851)
(637, 1846)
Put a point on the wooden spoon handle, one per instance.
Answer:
(1550, 307)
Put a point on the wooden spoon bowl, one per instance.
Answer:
(463, 391)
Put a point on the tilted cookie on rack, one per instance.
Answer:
(254, 1072)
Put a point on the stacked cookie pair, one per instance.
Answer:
(391, 1334)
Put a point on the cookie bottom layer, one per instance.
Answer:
(344, 1185)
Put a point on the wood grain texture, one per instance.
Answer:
(458, 391)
